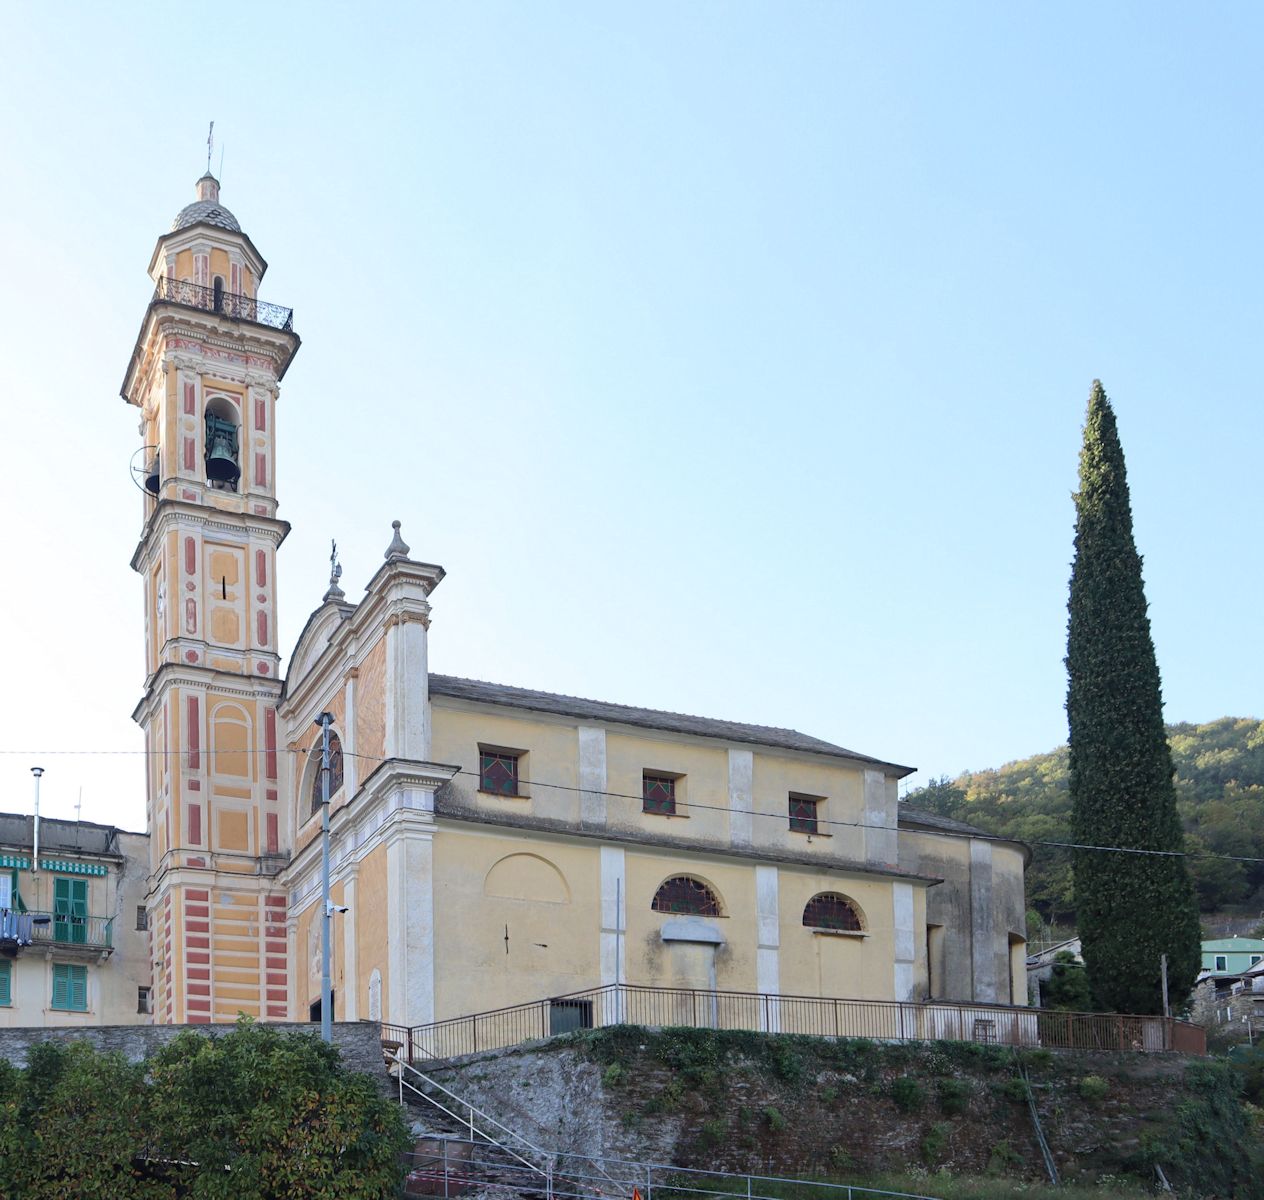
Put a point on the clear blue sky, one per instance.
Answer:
(732, 358)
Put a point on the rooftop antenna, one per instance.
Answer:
(78, 817)
(221, 164)
(210, 146)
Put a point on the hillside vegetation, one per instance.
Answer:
(1220, 795)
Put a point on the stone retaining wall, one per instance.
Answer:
(358, 1042)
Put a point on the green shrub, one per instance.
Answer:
(1093, 1088)
(907, 1093)
(613, 1075)
(1013, 1089)
(935, 1143)
(829, 1095)
(776, 1122)
(953, 1096)
(712, 1132)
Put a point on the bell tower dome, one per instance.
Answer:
(205, 375)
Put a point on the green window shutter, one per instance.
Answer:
(70, 987)
(70, 909)
(6, 982)
(61, 988)
(79, 989)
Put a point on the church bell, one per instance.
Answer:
(152, 476)
(221, 451)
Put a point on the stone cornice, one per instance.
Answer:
(186, 675)
(370, 819)
(168, 514)
(445, 810)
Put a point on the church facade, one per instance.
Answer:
(490, 844)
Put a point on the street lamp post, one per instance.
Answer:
(326, 907)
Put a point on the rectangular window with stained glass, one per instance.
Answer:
(803, 813)
(658, 794)
(498, 773)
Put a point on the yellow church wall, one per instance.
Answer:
(652, 961)
(841, 798)
(702, 786)
(372, 949)
(553, 941)
(184, 264)
(549, 750)
(820, 964)
(307, 967)
(219, 264)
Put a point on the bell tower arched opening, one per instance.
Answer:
(223, 444)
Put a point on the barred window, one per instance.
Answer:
(803, 814)
(658, 794)
(686, 896)
(335, 771)
(829, 910)
(498, 772)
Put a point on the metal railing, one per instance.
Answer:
(62, 929)
(457, 1166)
(883, 1020)
(229, 304)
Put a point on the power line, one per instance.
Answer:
(752, 812)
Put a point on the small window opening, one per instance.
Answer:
(218, 294)
(498, 773)
(803, 813)
(144, 1003)
(658, 794)
(142, 917)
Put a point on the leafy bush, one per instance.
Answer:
(907, 1093)
(1093, 1088)
(613, 1075)
(953, 1095)
(250, 1114)
(776, 1122)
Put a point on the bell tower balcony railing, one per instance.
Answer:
(233, 305)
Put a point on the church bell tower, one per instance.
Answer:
(204, 375)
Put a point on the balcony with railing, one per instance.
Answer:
(234, 305)
(60, 930)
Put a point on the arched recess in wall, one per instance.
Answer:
(835, 912)
(230, 741)
(687, 895)
(526, 877)
(311, 791)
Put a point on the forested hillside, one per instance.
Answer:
(1220, 792)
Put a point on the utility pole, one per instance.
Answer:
(1167, 1012)
(326, 906)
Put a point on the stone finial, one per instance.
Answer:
(398, 547)
(334, 593)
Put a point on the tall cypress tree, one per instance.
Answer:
(1132, 908)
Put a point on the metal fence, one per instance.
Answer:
(885, 1020)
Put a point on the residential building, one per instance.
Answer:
(1231, 955)
(74, 946)
(491, 844)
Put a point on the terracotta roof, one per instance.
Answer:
(480, 692)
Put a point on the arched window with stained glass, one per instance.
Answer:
(684, 895)
(829, 910)
(335, 772)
